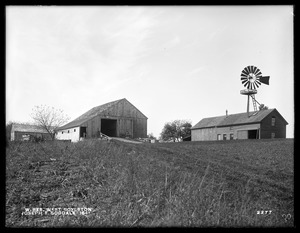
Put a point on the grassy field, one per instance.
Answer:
(194, 184)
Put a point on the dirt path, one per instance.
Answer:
(125, 140)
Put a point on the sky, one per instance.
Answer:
(171, 62)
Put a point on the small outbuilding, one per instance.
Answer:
(118, 118)
(266, 123)
(26, 132)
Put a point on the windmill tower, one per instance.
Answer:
(251, 79)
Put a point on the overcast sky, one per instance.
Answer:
(170, 62)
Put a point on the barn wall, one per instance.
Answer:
(279, 129)
(124, 109)
(235, 129)
(92, 127)
(68, 134)
(125, 127)
(140, 128)
(18, 136)
(208, 134)
(130, 119)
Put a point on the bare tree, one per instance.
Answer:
(49, 118)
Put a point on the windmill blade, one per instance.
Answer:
(264, 79)
(254, 86)
(244, 71)
(244, 75)
(255, 69)
(259, 74)
(248, 85)
(248, 69)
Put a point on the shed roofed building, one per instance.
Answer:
(118, 118)
(267, 123)
(24, 132)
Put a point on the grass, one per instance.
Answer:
(201, 184)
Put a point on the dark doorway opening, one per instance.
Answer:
(82, 132)
(253, 134)
(109, 127)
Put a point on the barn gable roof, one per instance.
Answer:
(234, 119)
(92, 113)
(27, 128)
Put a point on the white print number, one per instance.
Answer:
(264, 212)
(287, 217)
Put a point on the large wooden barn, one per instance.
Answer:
(118, 118)
(267, 123)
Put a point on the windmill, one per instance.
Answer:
(251, 79)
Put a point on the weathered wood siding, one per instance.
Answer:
(18, 136)
(209, 134)
(206, 134)
(125, 127)
(279, 129)
(140, 128)
(130, 121)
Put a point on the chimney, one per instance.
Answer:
(226, 113)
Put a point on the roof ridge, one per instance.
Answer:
(239, 113)
(233, 119)
(90, 114)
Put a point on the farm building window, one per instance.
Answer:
(231, 136)
(224, 136)
(273, 121)
(272, 135)
(219, 136)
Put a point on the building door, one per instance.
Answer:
(109, 127)
(82, 132)
(253, 134)
(242, 134)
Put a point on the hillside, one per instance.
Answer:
(222, 183)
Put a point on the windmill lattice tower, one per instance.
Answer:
(251, 79)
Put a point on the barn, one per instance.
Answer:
(267, 123)
(25, 132)
(118, 118)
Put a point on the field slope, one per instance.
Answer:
(219, 184)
